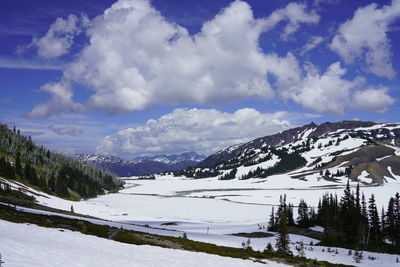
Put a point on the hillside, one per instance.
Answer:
(141, 165)
(363, 151)
(23, 161)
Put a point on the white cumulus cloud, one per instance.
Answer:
(373, 99)
(365, 37)
(201, 130)
(59, 38)
(136, 58)
(61, 100)
(330, 92)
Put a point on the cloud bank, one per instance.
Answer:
(136, 58)
(201, 130)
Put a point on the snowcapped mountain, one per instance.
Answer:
(174, 159)
(363, 151)
(141, 165)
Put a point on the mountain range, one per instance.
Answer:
(141, 165)
(331, 151)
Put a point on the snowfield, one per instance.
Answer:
(24, 245)
(210, 210)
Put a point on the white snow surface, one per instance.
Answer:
(24, 245)
(209, 210)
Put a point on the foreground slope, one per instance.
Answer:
(25, 245)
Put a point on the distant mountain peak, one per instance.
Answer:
(169, 159)
(141, 165)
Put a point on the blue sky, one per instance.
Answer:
(138, 77)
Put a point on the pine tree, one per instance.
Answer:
(392, 220)
(282, 239)
(269, 248)
(272, 221)
(349, 216)
(18, 166)
(364, 230)
(302, 210)
(375, 228)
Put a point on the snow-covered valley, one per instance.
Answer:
(210, 210)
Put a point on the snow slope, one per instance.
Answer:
(24, 245)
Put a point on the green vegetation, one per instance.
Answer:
(349, 222)
(53, 173)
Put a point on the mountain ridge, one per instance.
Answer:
(141, 165)
(286, 136)
(365, 151)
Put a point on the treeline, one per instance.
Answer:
(351, 221)
(229, 175)
(53, 173)
(197, 173)
(287, 162)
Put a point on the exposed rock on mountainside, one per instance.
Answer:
(364, 151)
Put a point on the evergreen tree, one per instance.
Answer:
(375, 228)
(272, 221)
(364, 229)
(269, 249)
(303, 219)
(282, 239)
(392, 220)
(18, 166)
(349, 216)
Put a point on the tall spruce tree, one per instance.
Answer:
(302, 210)
(374, 221)
(348, 215)
(282, 239)
(272, 221)
(392, 220)
(364, 229)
